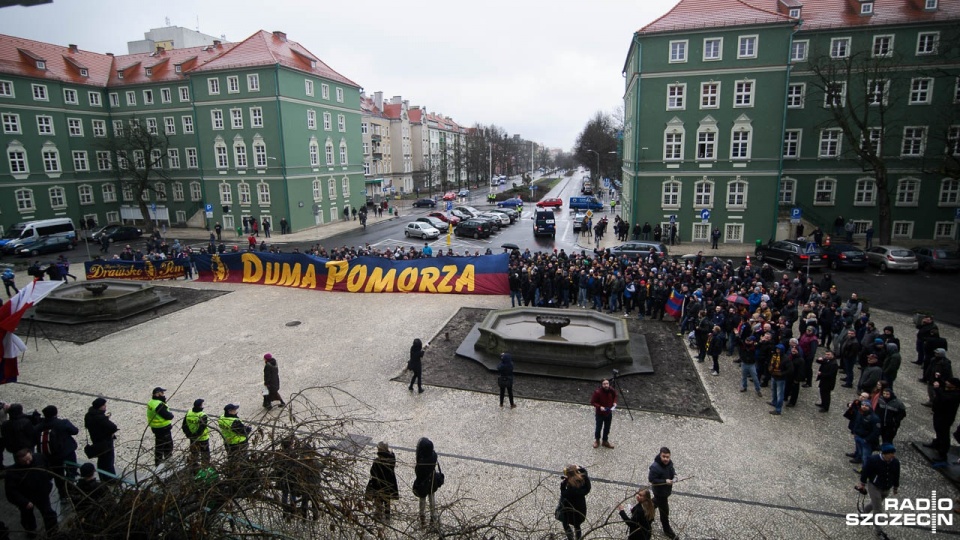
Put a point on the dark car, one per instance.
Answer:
(48, 244)
(636, 249)
(116, 233)
(444, 217)
(437, 223)
(937, 258)
(474, 228)
(791, 254)
(424, 203)
(845, 256)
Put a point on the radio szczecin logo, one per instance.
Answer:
(930, 512)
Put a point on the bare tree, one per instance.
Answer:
(598, 143)
(138, 151)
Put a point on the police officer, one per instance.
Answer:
(234, 433)
(198, 433)
(160, 420)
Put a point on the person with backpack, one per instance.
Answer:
(57, 446)
(198, 433)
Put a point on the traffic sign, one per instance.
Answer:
(449, 206)
(673, 218)
(810, 249)
(705, 215)
(795, 215)
(153, 207)
(208, 207)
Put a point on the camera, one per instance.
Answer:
(616, 372)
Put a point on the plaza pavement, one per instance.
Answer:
(753, 475)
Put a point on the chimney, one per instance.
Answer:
(378, 99)
(160, 50)
(73, 48)
(109, 54)
(217, 43)
(282, 36)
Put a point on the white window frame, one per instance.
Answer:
(70, 96)
(51, 159)
(743, 92)
(710, 100)
(243, 194)
(184, 92)
(263, 195)
(327, 121)
(949, 196)
(733, 195)
(317, 190)
(339, 95)
(921, 91)
(216, 119)
(328, 153)
(45, 125)
(311, 119)
(908, 192)
(6, 89)
(240, 160)
(253, 82)
(788, 139)
(801, 46)
(345, 187)
(719, 54)
(17, 162)
(93, 98)
(166, 96)
(169, 125)
(676, 96)
(220, 158)
(902, 229)
(233, 84)
(865, 192)
(259, 153)
(332, 190)
(741, 140)
(944, 229)
(177, 188)
(109, 193)
(754, 49)
(11, 123)
(148, 97)
(829, 187)
(80, 162)
(700, 232)
(916, 137)
(733, 238)
(226, 193)
(866, 8)
(787, 191)
(831, 95)
(152, 126)
(703, 193)
(678, 51)
(213, 86)
(875, 85)
(324, 90)
(313, 152)
(953, 141)
(707, 137)
(256, 117)
(308, 87)
(839, 47)
(104, 162)
(58, 197)
(39, 92)
(173, 158)
(877, 46)
(673, 149)
(874, 137)
(99, 127)
(196, 191)
(341, 123)
(928, 43)
(670, 191)
(187, 123)
(131, 98)
(344, 156)
(827, 136)
(25, 202)
(796, 95)
(236, 118)
(193, 158)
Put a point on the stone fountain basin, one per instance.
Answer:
(589, 347)
(73, 303)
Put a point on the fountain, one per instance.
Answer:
(579, 344)
(101, 300)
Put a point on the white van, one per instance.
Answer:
(26, 233)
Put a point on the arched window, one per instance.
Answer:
(263, 194)
(239, 153)
(703, 193)
(670, 197)
(332, 189)
(707, 139)
(25, 200)
(908, 192)
(741, 137)
(343, 152)
(673, 140)
(329, 152)
(788, 191)
(314, 152)
(226, 194)
(317, 190)
(737, 195)
(196, 192)
(345, 186)
(220, 152)
(109, 192)
(85, 194)
(824, 192)
(243, 192)
(259, 152)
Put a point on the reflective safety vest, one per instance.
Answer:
(192, 420)
(154, 419)
(230, 437)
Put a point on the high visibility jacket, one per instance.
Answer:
(193, 421)
(154, 419)
(230, 437)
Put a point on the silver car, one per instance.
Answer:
(421, 230)
(892, 258)
(502, 218)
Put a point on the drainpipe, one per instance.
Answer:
(283, 153)
(783, 133)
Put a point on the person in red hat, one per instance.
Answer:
(271, 382)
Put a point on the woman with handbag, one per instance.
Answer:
(572, 508)
(427, 479)
(415, 364)
(102, 433)
(505, 378)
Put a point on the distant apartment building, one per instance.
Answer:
(169, 38)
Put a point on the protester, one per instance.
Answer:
(102, 434)
(505, 378)
(604, 401)
(415, 364)
(58, 447)
(572, 506)
(426, 480)
(661, 477)
(28, 485)
(271, 382)
(382, 486)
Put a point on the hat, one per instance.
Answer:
(940, 352)
(780, 347)
(99, 402)
(87, 470)
(888, 449)
(877, 340)
(231, 407)
(268, 356)
(159, 389)
(50, 411)
(197, 403)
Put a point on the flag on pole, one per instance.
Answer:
(10, 315)
(674, 304)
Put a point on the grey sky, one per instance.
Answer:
(536, 68)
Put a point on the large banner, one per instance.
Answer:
(136, 270)
(486, 274)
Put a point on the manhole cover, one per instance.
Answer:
(293, 323)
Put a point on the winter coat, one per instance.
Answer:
(606, 398)
(574, 499)
(638, 525)
(827, 374)
(18, 431)
(891, 412)
(416, 359)
(426, 466)
(505, 371)
(100, 427)
(869, 379)
(891, 365)
(271, 375)
(383, 477)
(63, 431)
(658, 475)
(26, 484)
(867, 427)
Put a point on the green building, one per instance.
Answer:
(260, 129)
(754, 109)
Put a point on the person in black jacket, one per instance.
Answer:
(661, 476)
(271, 381)
(879, 475)
(17, 431)
(57, 446)
(640, 521)
(416, 364)
(102, 433)
(424, 483)
(505, 378)
(946, 401)
(827, 379)
(28, 486)
(382, 487)
(573, 500)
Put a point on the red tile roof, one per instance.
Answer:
(367, 105)
(392, 110)
(266, 49)
(416, 115)
(62, 63)
(690, 14)
(163, 64)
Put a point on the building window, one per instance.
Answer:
(184, 93)
(332, 189)
(366, 168)
(148, 97)
(675, 94)
(127, 193)
(51, 159)
(709, 95)
(865, 192)
(103, 160)
(99, 128)
(58, 198)
(921, 90)
(835, 94)
(216, 117)
(882, 46)
(243, 193)
(45, 125)
(908, 190)
(326, 121)
(256, 117)
(113, 216)
(213, 86)
(866, 8)
(325, 91)
(830, 143)
(226, 194)
(70, 96)
(737, 195)
(236, 118)
(339, 95)
(173, 158)
(791, 143)
(713, 49)
(109, 192)
(953, 141)
(930, 4)
(363, 128)
(161, 190)
(733, 233)
(263, 194)
(6, 89)
(39, 92)
(913, 141)
(670, 197)
(743, 94)
(239, 155)
(343, 153)
(927, 43)
(944, 229)
(193, 161)
(311, 119)
(139, 160)
(25, 200)
(701, 232)
(11, 123)
(314, 153)
(165, 95)
(233, 84)
(673, 144)
(678, 51)
(74, 127)
(308, 87)
(903, 229)
(740, 139)
(220, 151)
(345, 187)
(840, 47)
(169, 125)
(253, 82)
(152, 126)
(187, 124)
(80, 161)
(341, 123)
(877, 90)
(703, 194)
(259, 153)
(788, 191)
(873, 141)
(795, 92)
(317, 189)
(747, 47)
(131, 98)
(178, 191)
(798, 50)
(824, 192)
(94, 99)
(196, 192)
(17, 158)
(328, 151)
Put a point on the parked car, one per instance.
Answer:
(47, 244)
(511, 214)
(494, 222)
(460, 214)
(510, 203)
(937, 258)
(444, 217)
(469, 210)
(552, 202)
(502, 218)
(790, 254)
(845, 256)
(421, 230)
(474, 228)
(464, 193)
(636, 249)
(578, 221)
(436, 223)
(892, 258)
(449, 196)
(424, 203)
(116, 233)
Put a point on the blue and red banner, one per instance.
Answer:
(137, 270)
(674, 304)
(485, 274)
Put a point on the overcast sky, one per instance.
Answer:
(535, 68)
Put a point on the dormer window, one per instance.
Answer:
(178, 68)
(119, 73)
(41, 64)
(930, 5)
(84, 72)
(866, 8)
(794, 13)
(313, 64)
(149, 72)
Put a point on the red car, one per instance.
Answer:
(445, 218)
(554, 202)
(449, 196)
